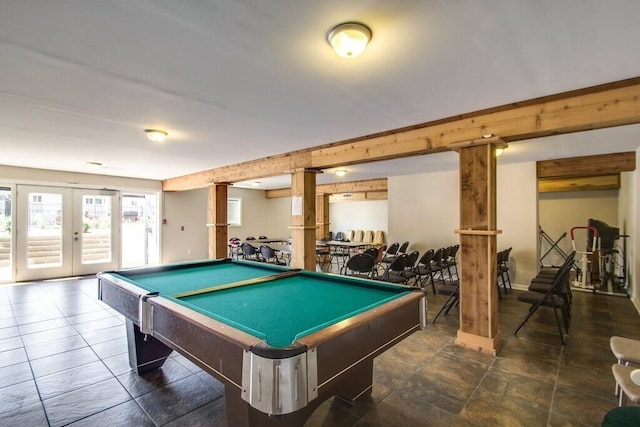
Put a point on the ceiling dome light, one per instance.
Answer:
(349, 39)
(156, 135)
(341, 172)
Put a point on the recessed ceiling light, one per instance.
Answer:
(255, 184)
(349, 39)
(156, 135)
(341, 172)
(487, 135)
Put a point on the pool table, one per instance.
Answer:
(280, 340)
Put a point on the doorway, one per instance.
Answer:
(65, 232)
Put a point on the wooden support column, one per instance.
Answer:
(322, 216)
(217, 221)
(303, 219)
(478, 247)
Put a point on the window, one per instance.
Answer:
(234, 212)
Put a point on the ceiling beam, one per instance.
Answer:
(365, 186)
(602, 164)
(586, 183)
(253, 169)
(358, 197)
(612, 104)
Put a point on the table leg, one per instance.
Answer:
(145, 352)
(358, 384)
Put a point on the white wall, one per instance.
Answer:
(359, 215)
(517, 210)
(629, 214)
(17, 175)
(425, 210)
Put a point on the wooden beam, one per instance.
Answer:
(322, 216)
(279, 193)
(602, 164)
(217, 221)
(303, 219)
(478, 250)
(612, 104)
(377, 195)
(603, 182)
(254, 169)
(353, 197)
(370, 185)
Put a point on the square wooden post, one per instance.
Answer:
(478, 252)
(217, 221)
(303, 219)
(322, 216)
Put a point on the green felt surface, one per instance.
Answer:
(175, 281)
(284, 310)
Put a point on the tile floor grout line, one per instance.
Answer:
(555, 385)
(33, 374)
(479, 382)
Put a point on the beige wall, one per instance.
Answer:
(560, 212)
(260, 216)
(361, 215)
(424, 209)
(186, 209)
(428, 217)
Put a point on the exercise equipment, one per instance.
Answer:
(588, 268)
(599, 264)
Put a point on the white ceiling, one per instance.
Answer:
(236, 80)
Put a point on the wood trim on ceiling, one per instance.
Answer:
(602, 106)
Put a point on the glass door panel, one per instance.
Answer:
(43, 250)
(140, 242)
(6, 236)
(65, 232)
(95, 233)
(44, 232)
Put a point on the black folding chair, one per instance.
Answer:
(452, 290)
(360, 265)
(550, 299)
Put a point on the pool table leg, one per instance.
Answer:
(357, 384)
(145, 352)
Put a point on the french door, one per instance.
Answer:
(65, 231)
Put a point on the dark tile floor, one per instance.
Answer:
(63, 361)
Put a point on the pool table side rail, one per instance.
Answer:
(213, 345)
(131, 273)
(196, 336)
(121, 295)
(316, 339)
(366, 336)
